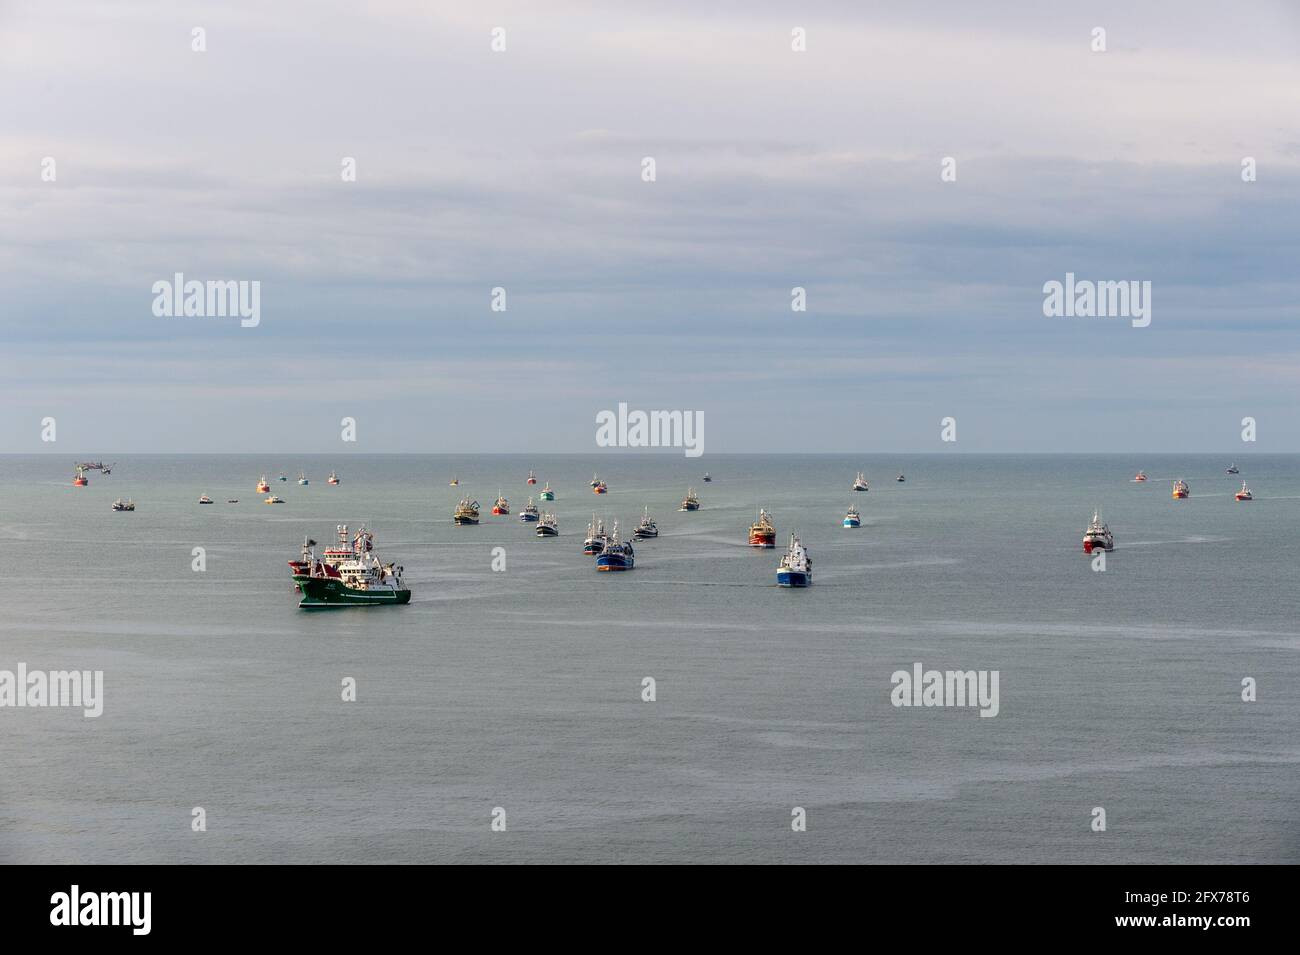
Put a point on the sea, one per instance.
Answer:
(525, 709)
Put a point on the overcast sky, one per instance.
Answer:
(522, 169)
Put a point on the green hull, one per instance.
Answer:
(327, 593)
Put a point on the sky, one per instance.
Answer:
(523, 169)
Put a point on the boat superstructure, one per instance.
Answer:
(762, 533)
(1098, 535)
(596, 537)
(466, 512)
(795, 568)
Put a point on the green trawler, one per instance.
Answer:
(352, 577)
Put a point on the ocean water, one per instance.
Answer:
(522, 689)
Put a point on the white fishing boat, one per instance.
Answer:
(1097, 536)
(795, 568)
(647, 529)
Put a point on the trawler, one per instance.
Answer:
(617, 555)
(647, 528)
(707, 478)
(332, 479)
(547, 494)
(548, 525)
(691, 502)
(532, 478)
(1181, 490)
(1244, 494)
(600, 487)
(282, 479)
(273, 500)
(529, 513)
(852, 518)
(595, 542)
(1233, 469)
(1097, 536)
(454, 482)
(795, 568)
(262, 486)
(80, 480)
(302, 479)
(466, 512)
(121, 505)
(860, 483)
(900, 479)
(502, 506)
(361, 580)
(1140, 477)
(762, 533)
(204, 499)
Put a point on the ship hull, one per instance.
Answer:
(547, 497)
(593, 548)
(645, 535)
(848, 523)
(793, 578)
(1090, 546)
(763, 541)
(323, 593)
(547, 532)
(528, 518)
(613, 562)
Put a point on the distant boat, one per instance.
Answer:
(594, 480)
(532, 478)
(707, 478)
(283, 478)
(121, 505)
(1244, 494)
(232, 500)
(529, 513)
(548, 526)
(454, 482)
(617, 555)
(647, 529)
(274, 500)
(1233, 469)
(691, 502)
(852, 518)
(262, 486)
(600, 487)
(547, 494)
(595, 540)
(860, 483)
(795, 568)
(762, 533)
(900, 479)
(1140, 476)
(80, 480)
(502, 506)
(1181, 490)
(204, 499)
(332, 479)
(1097, 536)
(466, 512)
(302, 479)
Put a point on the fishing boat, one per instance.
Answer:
(707, 478)
(900, 479)
(1233, 469)
(852, 518)
(466, 512)
(547, 494)
(1244, 494)
(502, 506)
(232, 500)
(532, 478)
(860, 483)
(273, 500)
(302, 479)
(617, 555)
(1097, 536)
(454, 482)
(1140, 476)
(762, 533)
(594, 480)
(282, 479)
(600, 487)
(362, 580)
(332, 479)
(204, 499)
(647, 529)
(80, 480)
(1181, 490)
(795, 568)
(548, 525)
(595, 541)
(121, 505)
(262, 486)
(529, 513)
(691, 502)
